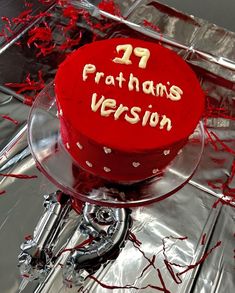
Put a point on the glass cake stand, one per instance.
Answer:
(59, 167)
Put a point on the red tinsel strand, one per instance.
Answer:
(85, 242)
(110, 6)
(42, 34)
(169, 265)
(203, 240)
(8, 24)
(28, 100)
(10, 119)
(216, 203)
(61, 3)
(154, 27)
(69, 43)
(225, 189)
(102, 27)
(87, 17)
(28, 237)
(204, 257)
(93, 26)
(144, 255)
(28, 4)
(172, 273)
(162, 281)
(46, 2)
(176, 238)
(19, 176)
(134, 239)
(221, 115)
(6, 19)
(82, 290)
(28, 84)
(210, 138)
(2, 192)
(151, 263)
(215, 186)
(112, 287)
(228, 202)
(231, 177)
(218, 161)
(23, 18)
(72, 13)
(225, 147)
(216, 112)
(25, 276)
(77, 205)
(164, 244)
(44, 50)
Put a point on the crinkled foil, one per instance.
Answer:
(188, 213)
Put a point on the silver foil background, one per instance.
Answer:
(210, 50)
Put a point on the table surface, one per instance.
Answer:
(18, 219)
(215, 11)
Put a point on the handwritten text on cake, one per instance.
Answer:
(109, 106)
(140, 52)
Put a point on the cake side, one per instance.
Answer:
(113, 164)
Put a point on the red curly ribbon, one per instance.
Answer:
(204, 257)
(10, 119)
(85, 242)
(112, 287)
(169, 265)
(110, 6)
(203, 240)
(19, 176)
(28, 84)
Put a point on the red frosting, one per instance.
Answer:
(113, 147)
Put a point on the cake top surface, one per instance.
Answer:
(128, 94)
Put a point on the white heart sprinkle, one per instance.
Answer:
(79, 145)
(67, 145)
(89, 164)
(155, 171)
(191, 136)
(107, 150)
(179, 152)
(166, 152)
(57, 114)
(61, 112)
(135, 164)
(106, 169)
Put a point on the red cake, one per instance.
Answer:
(126, 107)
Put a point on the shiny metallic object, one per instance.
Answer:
(35, 259)
(109, 225)
(58, 229)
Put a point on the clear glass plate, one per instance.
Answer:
(59, 167)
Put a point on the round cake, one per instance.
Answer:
(126, 107)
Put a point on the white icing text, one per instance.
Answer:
(143, 53)
(133, 115)
(148, 87)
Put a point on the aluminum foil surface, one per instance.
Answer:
(184, 243)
